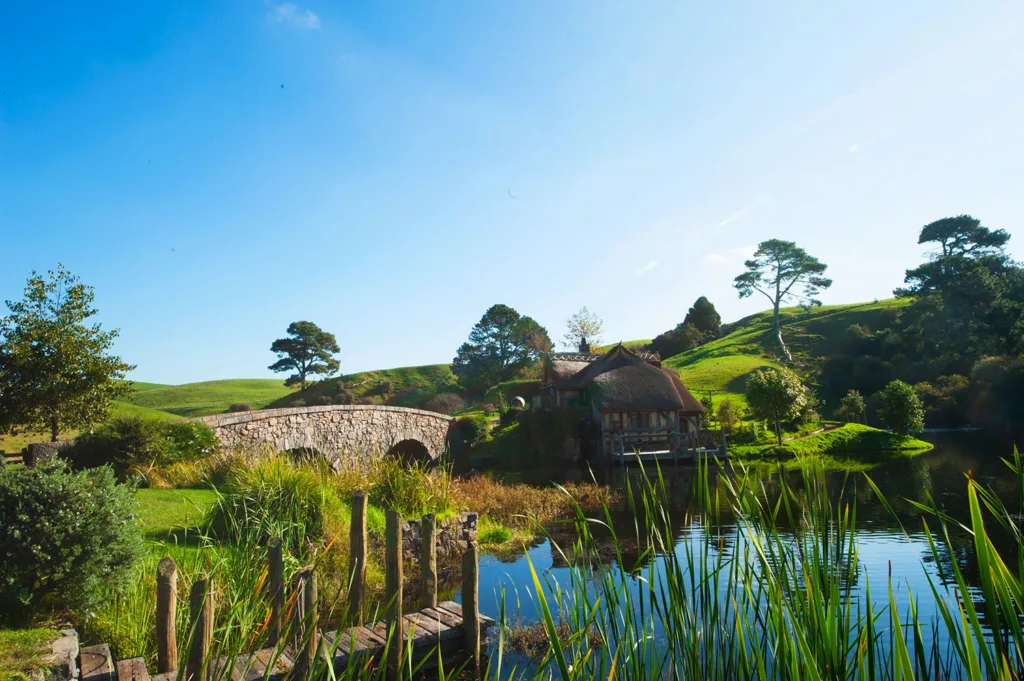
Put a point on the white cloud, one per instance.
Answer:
(735, 216)
(716, 259)
(738, 254)
(853, 148)
(647, 268)
(291, 14)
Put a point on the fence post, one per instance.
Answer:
(200, 604)
(275, 567)
(471, 605)
(305, 623)
(393, 593)
(166, 610)
(428, 559)
(357, 560)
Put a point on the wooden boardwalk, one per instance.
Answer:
(431, 630)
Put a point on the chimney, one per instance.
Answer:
(584, 346)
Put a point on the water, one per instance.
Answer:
(887, 544)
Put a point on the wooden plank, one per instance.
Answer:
(357, 560)
(443, 616)
(217, 666)
(166, 676)
(428, 559)
(471, 606)
(200, 606)
(275, 567)
(132, 669)
(434, 625)
(95, 663)
(456, 609)
(166, 609)
(393, 593)
(419, 632)
(255, 668)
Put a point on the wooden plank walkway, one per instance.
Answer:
(430, 630)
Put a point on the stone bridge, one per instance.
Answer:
(363, 431)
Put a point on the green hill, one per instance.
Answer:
(15, 443)
(722, 366)
(211, 397)
(409, 387)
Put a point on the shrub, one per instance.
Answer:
(472, 430)
(445, 403)
(131, 442)
(66, 538)
(411, 490)
(901, 410)
(489, 408)
(239, 406)
(343, 396)
(323, 400)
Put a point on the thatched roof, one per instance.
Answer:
(622, 381)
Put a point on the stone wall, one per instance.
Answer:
(453, 536)
(342, 431)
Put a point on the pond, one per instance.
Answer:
(890, 544)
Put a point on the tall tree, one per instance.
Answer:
(500, 346)
(780, 271)
(583, 329)
(704, 317)
(776, 395)
(308, 351)
(56, 371)
(963, 235)
(852, 405)
(901, 410)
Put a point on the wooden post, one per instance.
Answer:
(305, 621)
(275, 566)
(428, 559)
(393, 593)
(357, 560)
(471, 605)
(166, 610)
(200, 604)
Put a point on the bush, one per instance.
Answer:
(901, 410)
(472, 430)
(445, 403)
(343, 396)
(66, 538)
(130, 441)
(239, 406)
(489, 408)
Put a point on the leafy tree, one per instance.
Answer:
(704, 317)
(963, 235)
(852, 405)
(56, 371)
(901, 410)
(776, 395)
(500, 346)
(709, 412)
(583, 329)
(727, 415)
(781, 270)
(307, 352)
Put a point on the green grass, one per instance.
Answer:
(162, 511)
(211, 397)
(142, 386)
(23, 652)
(15, 443)
(851, 441)
(410, 387)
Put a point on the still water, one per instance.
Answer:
(889, 544)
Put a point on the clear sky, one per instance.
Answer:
(389, 170)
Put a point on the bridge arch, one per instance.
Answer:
(356, 431)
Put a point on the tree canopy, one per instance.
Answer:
(701, 324)
(500, 346)
(901, 410)
(781, 271)
(582, 329)
(776, 395)
(56, 371)
(308, 351)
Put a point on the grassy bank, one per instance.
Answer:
(850, 441)
(23, 652)
(211, 397)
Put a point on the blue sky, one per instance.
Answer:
(389, 170)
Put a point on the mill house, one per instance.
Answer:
(637, 404)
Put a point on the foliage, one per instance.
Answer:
(901, 410)
(24, 653)
(583, 330)
(411, 387)
(728, 415)
(523, 506)
(66, 539)
(500, 346)
(777, 395)
(445, 403)
(709, 411)
(852, 442)
(131, 442)
(781, 270)
(471, 430)
(308, 351)
(413, 491)
(701, 324)
(56, 370)
(236, 407)
(852, 405)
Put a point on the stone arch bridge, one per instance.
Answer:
(343, 431)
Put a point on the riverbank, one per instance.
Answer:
(852, 441)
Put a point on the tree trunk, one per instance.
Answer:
(54, 429)
(777, 329)
(778, 432)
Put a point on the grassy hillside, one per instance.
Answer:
(850, 439)
(410, 387)
(141, 386)
(723, 365)
(211, 397)
(15, 443)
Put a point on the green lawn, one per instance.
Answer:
(211, 397)
(141, 386)
(23, 652)
(851, 441)
(162, 511)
